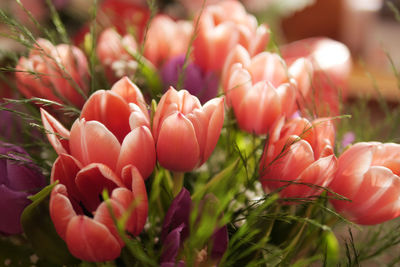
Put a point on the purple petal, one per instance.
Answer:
(19, 173)
(348, 138)
(202, 85)
(171, 245)
(220, 243)
(11, 206)
(24, 177)
(178, 214)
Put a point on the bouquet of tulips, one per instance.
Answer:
(163, 141)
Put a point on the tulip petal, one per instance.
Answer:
(178, 214)
(103, 216)
(56, 133)
(187, 102)
(12, 203)
(259, 109)
(287, 95)
(165, 107)
(289, 165)
(137, 117)
(138, 149)
(140, 204)
(23, 177)
(130, 92)
(302, 71)
(65, 169)
(268, 67)
(61, 210)
(378, 198)
(177, 146)
(214, 109)
(91, 241)
(172, 244)
(239, 84)
(238, 55)
(319, 173)
(352, 165)
(92, 180)
(92, 142)
(111, 110)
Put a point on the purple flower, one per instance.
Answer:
(202, 85)
(348, 138)
(19, 178)
(176, 229)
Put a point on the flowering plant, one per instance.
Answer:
(174, 142)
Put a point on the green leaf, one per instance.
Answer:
(332, 248)
(40, 230)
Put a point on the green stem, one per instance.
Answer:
(178, 182)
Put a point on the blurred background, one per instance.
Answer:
(370, 28)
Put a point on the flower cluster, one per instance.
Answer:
(151, 151)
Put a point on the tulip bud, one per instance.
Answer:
(184, 131)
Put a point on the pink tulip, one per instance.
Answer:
(83, 219)
(58, 73)
(113, 129)
(258, 89)
(331, 61)
(299, 152)
(116, 54)
(167, 39)
(109, 147)
(184, 131)
(221, 27)
(368, 175)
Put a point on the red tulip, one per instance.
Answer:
(331, 61)
(258, 89)
(368, 175)
(167, 39)
(184, 131)
(83, 219)
(221, 27)
(109, 147)
(299, 158)
(116, 54)
(113, 129)
(58, 73)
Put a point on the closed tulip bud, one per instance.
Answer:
(58, 73)
(186, 132)
(299, 158)
(368, 176)
(221, 27)
(166, 39)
